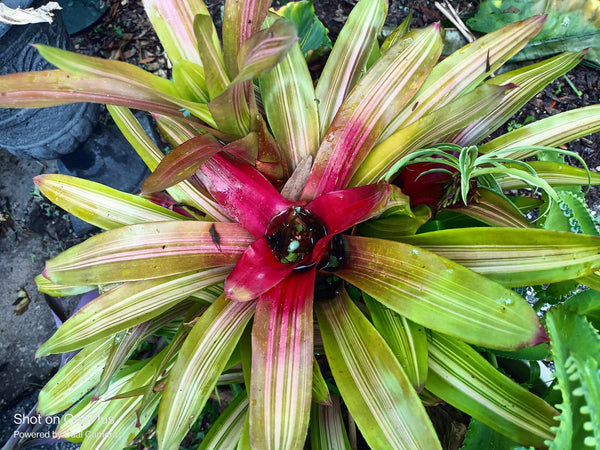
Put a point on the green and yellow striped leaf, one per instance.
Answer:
(152, 250)
(462, 377)
(516, 257)
(226, 431)
(100, 205)
(549, 132)
(348, 58)
(373, 385)
(183, 192)
(198, 367)
(406, 339)
(173, 22)
(75, 378)
(440, 294)
(126, 306)
(384, 90)
(327, 431)
(289, 100)
(465, 69)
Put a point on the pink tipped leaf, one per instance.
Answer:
(256, 272)
(440, 294)
(150, 250)
(243, 18)
(377, 98)
(55, 87)
(342, 209)
(244, 192)
(173, 22)
(282, 364)
(265, 49)
(182, 163)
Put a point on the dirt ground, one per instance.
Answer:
(32, 230)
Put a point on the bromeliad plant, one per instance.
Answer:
(253, 236)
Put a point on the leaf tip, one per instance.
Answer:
(540, 337)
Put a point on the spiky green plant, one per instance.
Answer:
(283, 233)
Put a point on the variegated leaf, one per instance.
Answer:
(289, 100)
(185, 191)
(282, 357)
(125, 306)
(466, 68)
(377, 98)
(226, 431)
(173, 22)
(348, 58)
(374, 387)
(327, 431)
(100, 205)
(75, 378)
(201, 360)
(463, 378)
(549, 132)
(516, 257)
(406, 339)
(440, 294)
(152, 250)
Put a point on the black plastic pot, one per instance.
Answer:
(45, 133)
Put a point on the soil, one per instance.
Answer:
(32, 230)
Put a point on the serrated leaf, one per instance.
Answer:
(373, 385)
(384, 90)
(144, 251)
(201, 360)
(515, 257)
(100, 205)
(463, 378)
(576, 354)
(440, 294)
(570, 213)
(480, 436)
(348, 58)
(125, 306)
